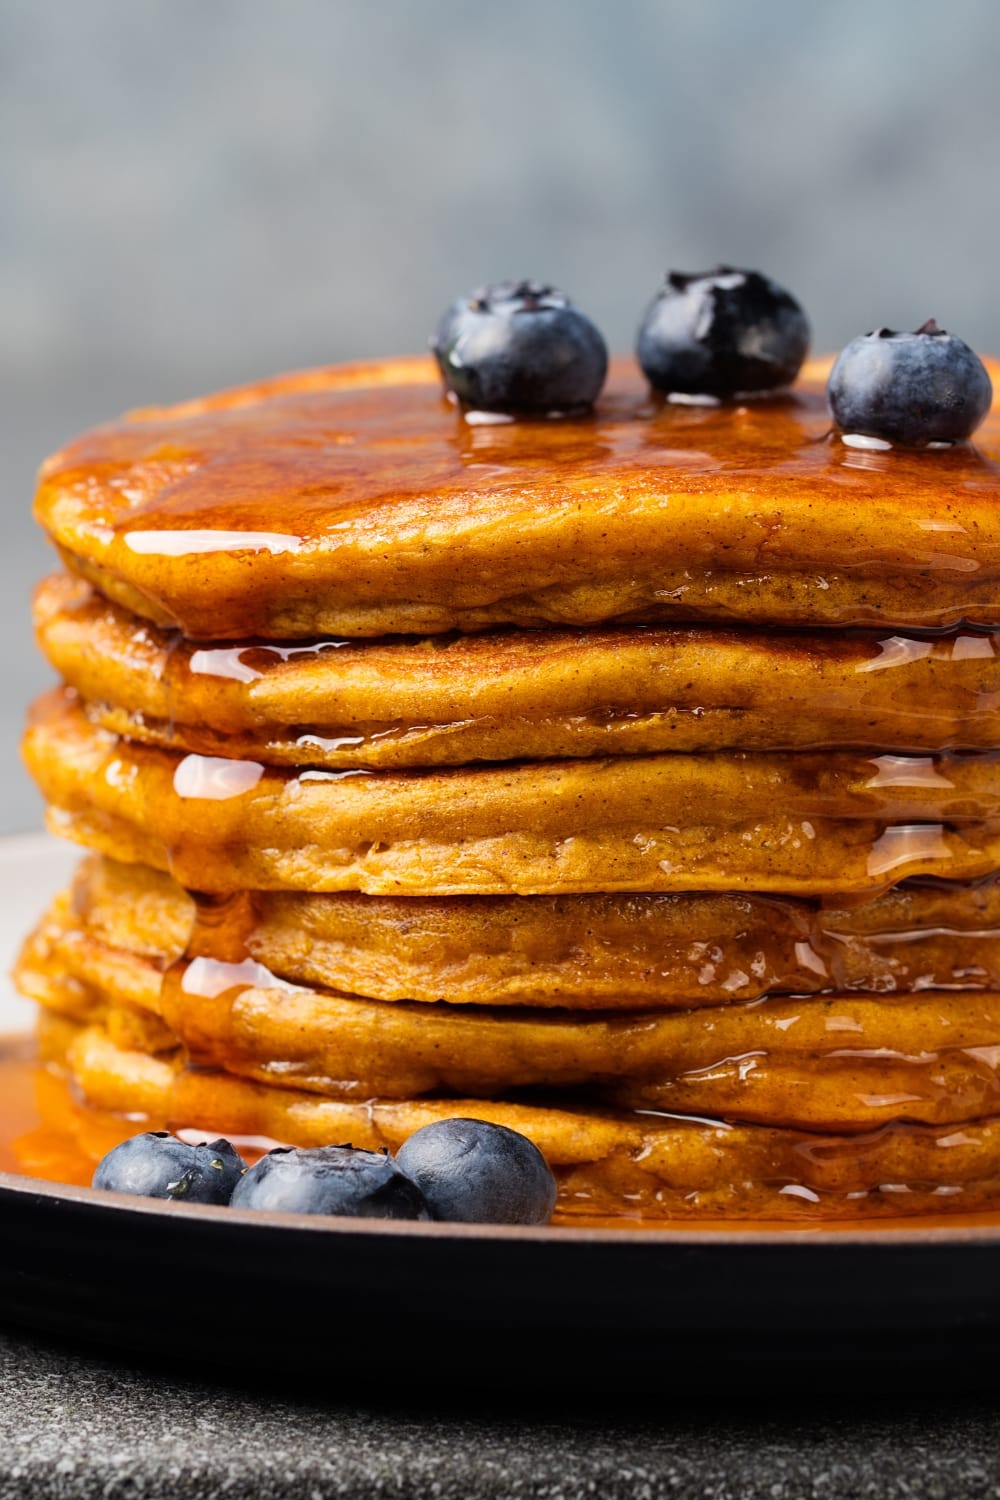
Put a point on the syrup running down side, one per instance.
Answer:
(358, 502)
(49, 1134)
(805, 825)
(255, 531)
(840, 1064)
(833, 1106)
(451, 700)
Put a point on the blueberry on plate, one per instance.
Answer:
(158, 1165)
(909, 388)
(331, 1180)
(472, 1172)
(722, 333)
(520, 346)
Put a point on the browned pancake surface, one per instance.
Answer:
(357, 501)
(590, 952)
(520, 694)
(803, 824)
(607, 1162)
(836, 1062)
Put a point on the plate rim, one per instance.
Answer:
(728, 1233)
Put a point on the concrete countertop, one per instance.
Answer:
(73, 1427)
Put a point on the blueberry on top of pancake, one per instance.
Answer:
(349, 501)
(520, 346)
(722, 333)
(914, 389)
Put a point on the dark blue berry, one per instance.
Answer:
(331, 1180)
(722, 333)
(520, 346)
(909, 388)
(157, 1165)
(473, 1172)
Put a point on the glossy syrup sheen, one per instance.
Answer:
(390, 496)
(629, 952)
(813, 1066)
(781, 946)
(48, 1133)
(448, 700)
(843, 826)
(281, 473)
(837, 1063)
(900, 690)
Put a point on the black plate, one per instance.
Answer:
(413, 1307)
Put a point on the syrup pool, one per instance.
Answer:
(49, 1134)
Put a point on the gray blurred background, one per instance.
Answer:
(197, 192)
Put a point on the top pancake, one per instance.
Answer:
(357, 501)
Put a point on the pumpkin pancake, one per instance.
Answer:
(591, 952)
(808, 824)
(839, 1062)
(448, 700)
(617, 865)
(356, 501)
(607, 1162)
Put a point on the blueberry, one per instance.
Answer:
(520, 346)
(331, 1180)
(473, 1172)
(909, 388)
(157, 1165)
(722, 333)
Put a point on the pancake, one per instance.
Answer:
(355, 501)
(807, 824)
(519, 695)
(619, 865)
(610, 952)
(607, 1162)
(839, 1062)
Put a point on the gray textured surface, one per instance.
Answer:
(196, 194)
(73, 1428)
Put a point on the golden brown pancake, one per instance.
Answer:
(607, 1162)
(808, 824)
(356, 501)
(593, 952)
(838, 1062)
(520, 694)
(570, 873)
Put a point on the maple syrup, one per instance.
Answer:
(587, 953)
(48, 1133)
(543, 695)
(232, 518)
(805, 824)
(357, 502)
(45, 1132)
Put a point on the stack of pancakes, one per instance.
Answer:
(629, 780)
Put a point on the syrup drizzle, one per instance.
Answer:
(47, 1133)
(551, 694)
(835, 1064)
(215, 779)
(217, 826)
(300, 496)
